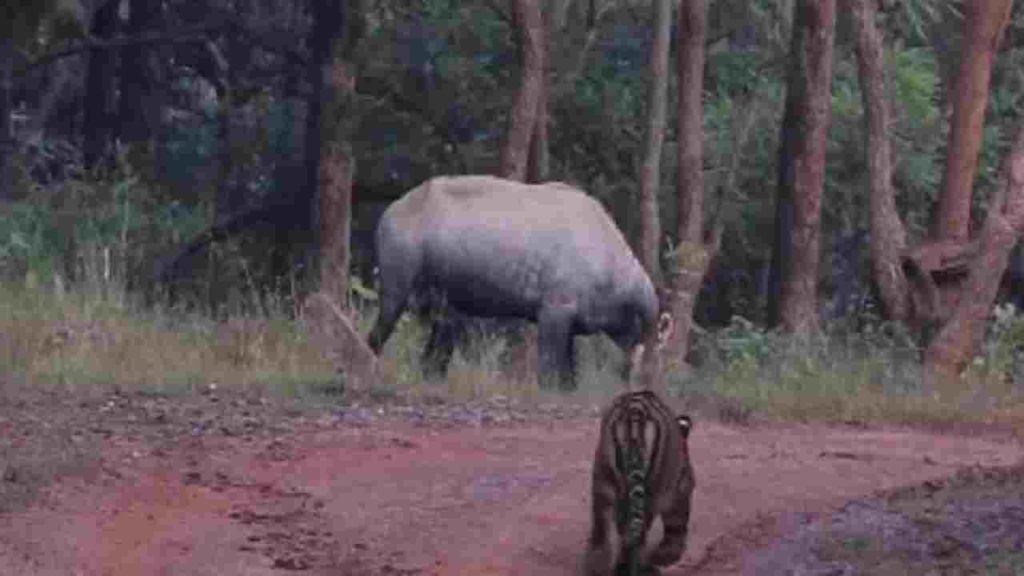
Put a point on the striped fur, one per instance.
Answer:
(641, 477)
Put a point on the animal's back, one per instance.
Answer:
(491, 202)
(642, 474)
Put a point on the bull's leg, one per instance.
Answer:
(554, 348)
(391, 310)
(392, 304)
(567, 371)
(440, 346)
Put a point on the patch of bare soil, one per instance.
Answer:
(214, 484)
(972, 523)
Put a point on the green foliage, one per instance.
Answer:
(915, 79)
(733, 73)
(90, 229)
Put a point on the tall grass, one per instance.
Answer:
(868, 375)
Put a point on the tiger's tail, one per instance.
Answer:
(636, 485)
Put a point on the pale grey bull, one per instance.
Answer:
(499, 248)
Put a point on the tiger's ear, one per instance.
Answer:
(685, 425)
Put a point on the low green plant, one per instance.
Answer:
(838, 374)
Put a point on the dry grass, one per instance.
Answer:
(99, 338)
(84, 339)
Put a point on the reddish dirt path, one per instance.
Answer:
(393, 498)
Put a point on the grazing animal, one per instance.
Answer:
(488, 247)
(642, 475)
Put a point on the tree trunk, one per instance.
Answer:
(960, 336)
(99, 88)
(6, 133)
(526, 17)
(651, 354)
(888, 235)
(337, 169)
(650, 170)
(336, 164)
(983, 27)
(337, 29)
(690, 260)
(794, 273)
(538, 167)
(139, 105)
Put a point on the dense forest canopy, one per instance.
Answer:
(138, 124)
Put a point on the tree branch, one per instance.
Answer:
(195, 34)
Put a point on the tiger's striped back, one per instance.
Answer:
(642, 474)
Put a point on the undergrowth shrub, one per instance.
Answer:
(848, 373)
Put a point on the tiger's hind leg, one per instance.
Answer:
(605, 542)
(676, 522)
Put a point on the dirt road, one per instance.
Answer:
(388, 497)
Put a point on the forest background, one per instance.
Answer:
(177, 176)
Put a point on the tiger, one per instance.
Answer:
(641, 475)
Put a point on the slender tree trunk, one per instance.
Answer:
(985, 21)
(794, 274)
(960, 336)
(99, 87)
(691, 257)
(6, 133)
(538, 167)
(888, 235)
(527, 19)
(651, 355)
(650, 170)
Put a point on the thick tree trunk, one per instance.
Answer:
(139, 104)
(888, 235)
(337, 29)
(984, 24)
(650, 170)
(529, 25)
(690, 260)
(959, 338)
(794, 274)
(336, 164)
(337, 168)
(99, 88)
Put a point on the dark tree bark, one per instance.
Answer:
(960, 336)
(984, 23)
(330, 163)
(6, 133)
(99, 88)
(689, 262)
(888, 235)
(139, 100)
(529, 25)
(650, 170)
(331, 167)
(794, 274)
